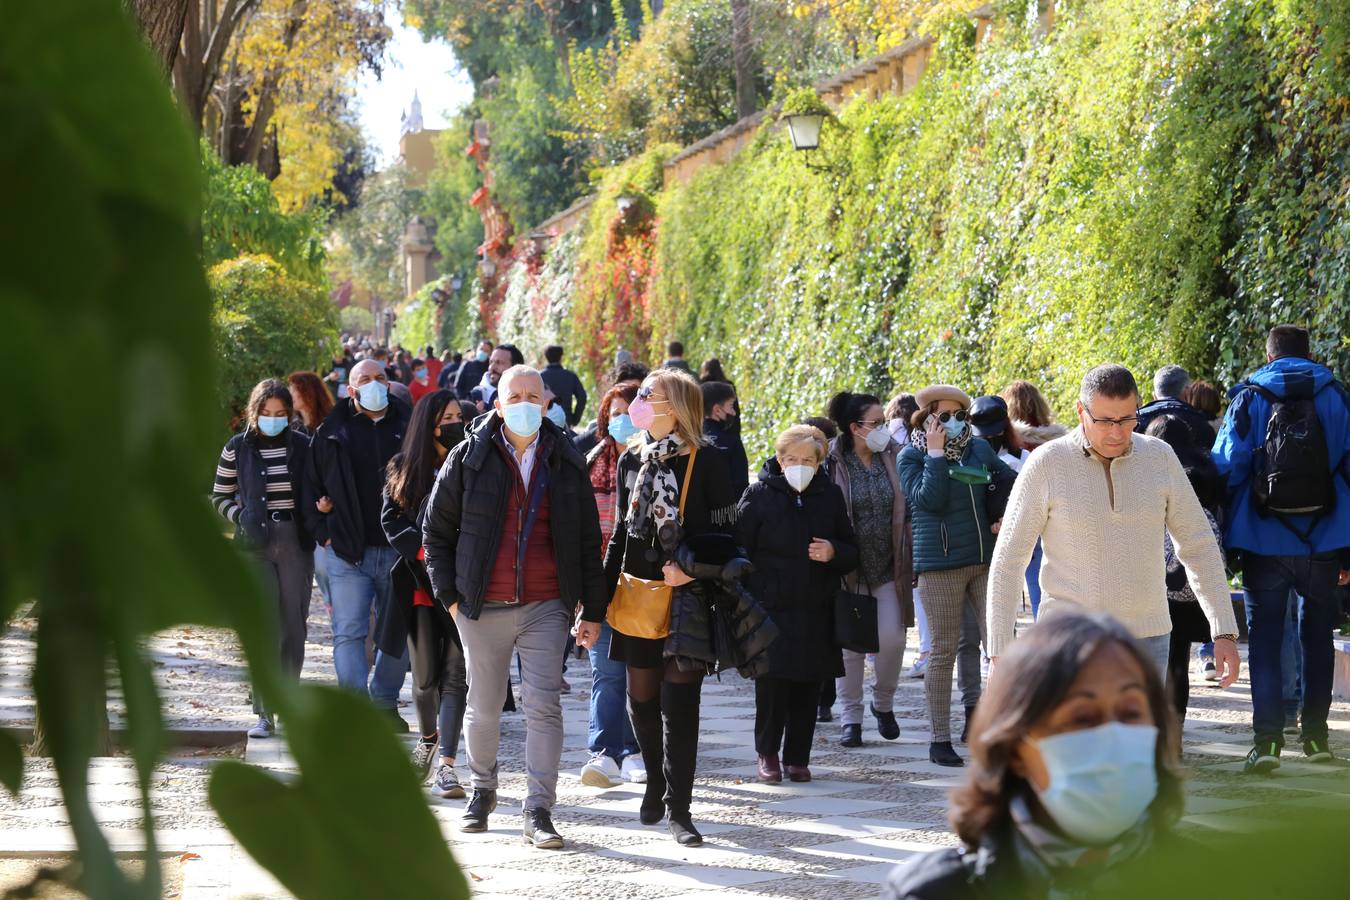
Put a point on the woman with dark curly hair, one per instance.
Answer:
(1073, 772)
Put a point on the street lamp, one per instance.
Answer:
(804, 129)
(456, 282)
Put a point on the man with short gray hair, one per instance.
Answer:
(1100, 499)
(1168, 383)
(512, 539)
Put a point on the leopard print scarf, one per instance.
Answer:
(654, 505)
(954, 450)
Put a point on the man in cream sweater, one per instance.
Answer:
(1099, 499)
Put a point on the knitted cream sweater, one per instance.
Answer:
(1102, 557)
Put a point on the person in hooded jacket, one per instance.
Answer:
(413, 616)
(794, 526)
(947, 474)
(256, 489)
(863, 465)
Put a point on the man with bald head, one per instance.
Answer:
(347, 461)
(512, 542)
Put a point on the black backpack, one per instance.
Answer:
(1292, 473)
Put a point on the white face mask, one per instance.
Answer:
(1101, 779)
(878, 439)
(799, 476)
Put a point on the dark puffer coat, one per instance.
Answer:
(951, 518)
(775, 526)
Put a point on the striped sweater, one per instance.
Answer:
(225, 491)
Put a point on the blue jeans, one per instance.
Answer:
(1291, 660)
(321, 574)
(611, 732)
(1034, 580)
(1159, 649)
(356, 591)
(1268, 581)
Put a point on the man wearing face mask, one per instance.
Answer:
(349, 455)
(472, 369)
(721, 426)
(512, 543)
(1097, 499)
(501, 359)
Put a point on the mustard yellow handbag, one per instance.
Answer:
(641, 606)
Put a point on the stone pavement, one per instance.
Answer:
(838, 836)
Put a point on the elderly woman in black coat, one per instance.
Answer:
(795, 528)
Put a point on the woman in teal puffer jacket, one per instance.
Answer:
(949, 477)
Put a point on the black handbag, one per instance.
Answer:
(855, 621)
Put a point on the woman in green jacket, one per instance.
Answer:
(950, 478)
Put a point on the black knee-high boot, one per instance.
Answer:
(679, 709)
(646, 718)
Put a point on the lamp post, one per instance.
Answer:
(804, 130)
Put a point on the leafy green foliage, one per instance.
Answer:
(267, 324)
(356, 320)
(241, 215)
(110, 169)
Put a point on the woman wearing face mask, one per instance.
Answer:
(256, 489)
(947, 473)
(412, 618)
(614, 751)
(1074, 773)
(864, 467)
(663, 697)
(794, 526)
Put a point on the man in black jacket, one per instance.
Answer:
(346, 467)
(564, 384)
(472, 369)
(512, 539)
(1168, 383)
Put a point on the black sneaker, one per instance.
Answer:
(423, 756)
(1317, 751)
(539, 830)
(887, 727)
(1263, 759)
(942, 753)
(851, 736)
(481, 804)
(447, 784)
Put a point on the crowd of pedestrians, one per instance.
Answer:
(468, 505)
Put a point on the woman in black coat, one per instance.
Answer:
(413, 618)
(794, 526)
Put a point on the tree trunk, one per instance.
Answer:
(253, 142)
(161, 25)
(743, 57)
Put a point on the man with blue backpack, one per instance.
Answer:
(1284, 450)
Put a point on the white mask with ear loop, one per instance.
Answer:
(799, 477)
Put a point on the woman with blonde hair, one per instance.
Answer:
(1030, 415)
(671, 489)
(794, 526)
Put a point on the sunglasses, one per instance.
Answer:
(960, 415)
(646, 394)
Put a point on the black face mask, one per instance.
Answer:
(449, 436)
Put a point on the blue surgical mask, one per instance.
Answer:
(482, 356)
(1101, 779)
(420, 373)
(373, 395)
(953, 427)
(272, 425)
(621, 428)
(523, 418)
(557, 416)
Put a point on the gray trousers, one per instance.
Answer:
(538, 632)
(287, 573)
(945, 595)
(887, 663)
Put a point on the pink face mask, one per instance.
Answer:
(642, 414)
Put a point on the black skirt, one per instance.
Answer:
(640, 653)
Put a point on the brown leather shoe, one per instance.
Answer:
(770, 772)
(798, 773)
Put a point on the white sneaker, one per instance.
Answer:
(634, 769)
(601, 772)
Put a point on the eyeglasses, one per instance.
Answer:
(646, 394)
(1127, 422)
(960, 415)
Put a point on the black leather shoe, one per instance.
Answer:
(965, 729)
(684, 832)
(539, 830)
(824, 714)
(941, 753)
(481, 804)
(851, 736)
(887, 727)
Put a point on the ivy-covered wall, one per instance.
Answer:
(1155, 181)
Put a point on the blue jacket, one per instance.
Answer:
(1244, 433)
(951, 520)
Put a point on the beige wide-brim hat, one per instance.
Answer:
(935, 392)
